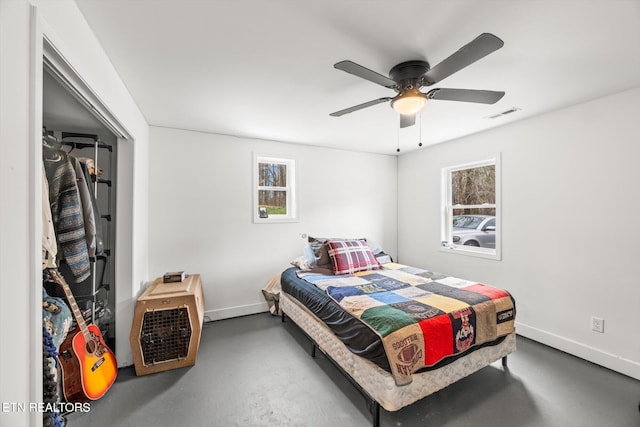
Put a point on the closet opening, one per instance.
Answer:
(71, 130)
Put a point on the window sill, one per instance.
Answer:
(472, 251)
(274, 220)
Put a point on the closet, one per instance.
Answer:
(72, 132)
(83, 136)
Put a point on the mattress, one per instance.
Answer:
(378, 383)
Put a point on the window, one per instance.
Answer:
(274, 189)
(471, 209)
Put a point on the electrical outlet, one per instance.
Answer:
(597, 324)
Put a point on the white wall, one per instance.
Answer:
(570, 202)
(16, 268)
(64, 25)
(200, 202)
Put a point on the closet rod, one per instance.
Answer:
(79, 135)
(75, 144)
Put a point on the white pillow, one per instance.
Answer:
(375, 248)
(307, 252)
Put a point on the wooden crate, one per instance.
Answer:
(167, 324)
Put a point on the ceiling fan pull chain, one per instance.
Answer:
(420, 128)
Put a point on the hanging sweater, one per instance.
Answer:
(66, 211)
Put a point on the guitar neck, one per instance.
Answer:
(57, 277)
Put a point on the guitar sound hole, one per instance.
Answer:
(91, 346)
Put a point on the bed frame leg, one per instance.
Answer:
(313, 350)
(504, 361)
(283, 317)
(374, 408)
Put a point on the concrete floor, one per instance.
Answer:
(257, 371)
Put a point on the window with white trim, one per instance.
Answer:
(274, 195)
(471, 208)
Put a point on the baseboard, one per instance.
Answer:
(583, 351)
(241, 310)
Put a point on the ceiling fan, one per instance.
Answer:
(408, 77)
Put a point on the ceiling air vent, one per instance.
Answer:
(504, 113)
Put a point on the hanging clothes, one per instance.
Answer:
(87, 207)
(49, 242)
(66, 211)
(91, 165)
(94, 205)
(56, 324)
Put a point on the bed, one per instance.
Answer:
(344, 308)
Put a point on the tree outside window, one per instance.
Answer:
(272, 188)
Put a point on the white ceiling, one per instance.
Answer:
(264, 68)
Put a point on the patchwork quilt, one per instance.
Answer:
(422, 317)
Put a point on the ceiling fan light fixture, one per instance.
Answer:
(409, 102)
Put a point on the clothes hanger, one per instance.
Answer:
(52, 148)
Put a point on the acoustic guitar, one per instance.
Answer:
(89, 367)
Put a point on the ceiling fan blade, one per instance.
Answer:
(407, 120)
(465, 95)
(365, 73)
(359, 107)
(476, 49)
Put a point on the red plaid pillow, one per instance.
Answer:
(351, 256)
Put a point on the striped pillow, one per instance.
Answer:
(351, 256)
